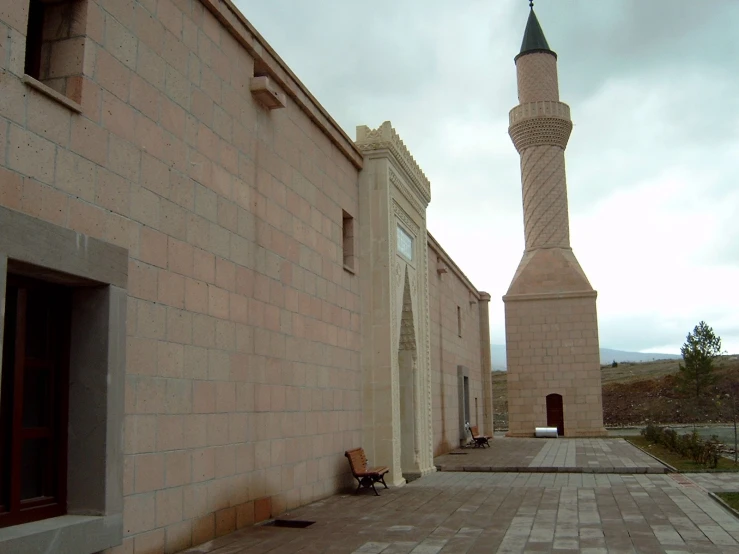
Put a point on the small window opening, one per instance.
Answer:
(405, 244)
(459, 321)
(55, 45)
(348, 241)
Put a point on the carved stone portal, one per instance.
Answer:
(394, 194)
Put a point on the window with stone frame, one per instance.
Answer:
(55, 45)
(33, 402)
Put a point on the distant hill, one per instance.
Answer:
(635, 393)
(607, 355)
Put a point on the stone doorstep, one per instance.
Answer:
(518, 469)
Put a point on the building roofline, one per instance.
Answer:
(267, 61)
(453, 266)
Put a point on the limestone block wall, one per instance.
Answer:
(243, 368)
(552, 348)
(447, 292)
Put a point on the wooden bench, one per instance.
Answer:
(480, 440)
(366, 477)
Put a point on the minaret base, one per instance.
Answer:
(554, 375)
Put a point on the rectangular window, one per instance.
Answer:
(459, 321)
(55, 44)
(348, 242)
(34, 402)
(405, 243)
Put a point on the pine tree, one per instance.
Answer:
(700, 349)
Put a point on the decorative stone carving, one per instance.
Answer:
(407, 193)
(401, 214)
(385, 138)
(407, 326)
(548, 131)
(428, 458)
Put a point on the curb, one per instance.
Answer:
(668, 466)
(721, 501)
(586, 470)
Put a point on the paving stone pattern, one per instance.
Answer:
(556, 455)
(716, 482)
(504, 512)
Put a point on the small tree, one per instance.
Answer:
(614, 364)
(700, 349)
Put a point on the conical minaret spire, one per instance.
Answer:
(533, 37)
(551, 323)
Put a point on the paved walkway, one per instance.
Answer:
(716, 482)
(454, 513)
(552, 455)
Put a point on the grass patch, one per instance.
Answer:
(731, 498)
(678, 462)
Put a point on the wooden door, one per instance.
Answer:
(555, 413)
(33, 407)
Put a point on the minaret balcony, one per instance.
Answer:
(540, 124)
(545, 108)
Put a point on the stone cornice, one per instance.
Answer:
(549, 296)
(266, 61)
(386, 138)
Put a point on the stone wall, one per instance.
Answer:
(243, 373)
(450, 294)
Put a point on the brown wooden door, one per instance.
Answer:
(555, 413)
(33, 407)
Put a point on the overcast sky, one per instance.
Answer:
(652, 164)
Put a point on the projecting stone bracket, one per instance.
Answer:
(267, 93)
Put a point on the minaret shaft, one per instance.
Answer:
(540, 128)
(544, 189)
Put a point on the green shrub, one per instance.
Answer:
(689, 445)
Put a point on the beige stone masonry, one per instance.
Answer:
(537, 78)
(551, 320)
(550, 270)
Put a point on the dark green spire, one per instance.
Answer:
(533, 38)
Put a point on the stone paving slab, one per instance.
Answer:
(552, 456)
(455, 513)
(716, 482)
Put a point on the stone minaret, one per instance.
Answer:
(551, 322)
